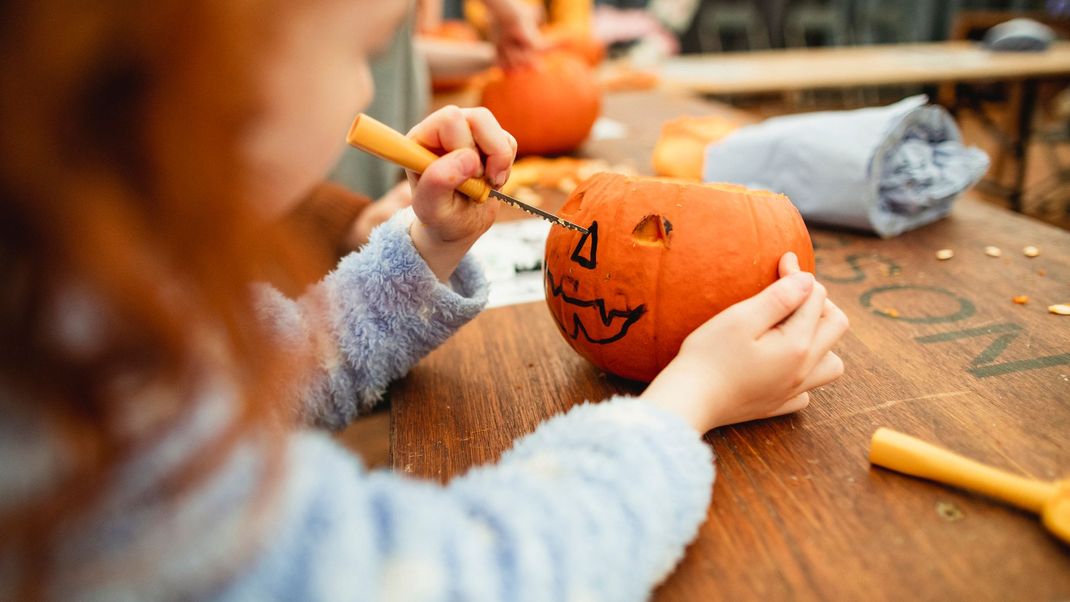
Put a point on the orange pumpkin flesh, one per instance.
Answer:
(681, 148)
(663, 257)
(549, 106)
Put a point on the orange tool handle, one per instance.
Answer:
(380, 140)
(906, 454)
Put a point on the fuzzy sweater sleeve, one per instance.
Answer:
(597, 504)
(369, 321)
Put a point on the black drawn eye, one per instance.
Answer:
(586, 253)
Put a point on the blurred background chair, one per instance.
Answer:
(730, 25)
(883, 22)
(817, 23)
(1050, 196)
(997, 107)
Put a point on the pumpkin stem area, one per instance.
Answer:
(652, 231)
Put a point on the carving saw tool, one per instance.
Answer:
(374, 137)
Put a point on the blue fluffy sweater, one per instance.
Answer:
(596, 504)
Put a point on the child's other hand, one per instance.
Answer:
(757, 358)
(396, 199)
(475, 146)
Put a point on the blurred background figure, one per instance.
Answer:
(402, 98)
(645, 30)
(363, 190)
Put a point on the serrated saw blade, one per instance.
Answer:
(546, 215)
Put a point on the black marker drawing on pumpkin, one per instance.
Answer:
(557, 289)
(591, 237)
(630, 316)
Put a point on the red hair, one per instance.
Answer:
(120, 176)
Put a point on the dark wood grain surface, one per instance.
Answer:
(937, 349)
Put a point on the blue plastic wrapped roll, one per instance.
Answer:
(886, 170)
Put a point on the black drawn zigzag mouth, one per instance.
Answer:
(607, 317)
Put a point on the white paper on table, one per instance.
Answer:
(608, 129)
(511, 254)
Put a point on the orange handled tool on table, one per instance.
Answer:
(377, 138)
(906, 454)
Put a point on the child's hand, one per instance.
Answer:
(448, 222)
(757, 358)
(396, 199)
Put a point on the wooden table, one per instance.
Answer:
(845, 67)
(797, 511)
(849, 66)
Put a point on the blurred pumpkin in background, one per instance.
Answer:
(549, 105)
(681, 148)
(661, 258)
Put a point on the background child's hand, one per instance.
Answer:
(448, 222)
(516, 32)
(757, 358)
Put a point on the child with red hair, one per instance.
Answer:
(157, 405)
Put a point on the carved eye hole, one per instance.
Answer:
(586, 252)
(653, 231)
(574, 203)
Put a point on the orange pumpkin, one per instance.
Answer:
(549, 105)
(662, 257)
(681, 148)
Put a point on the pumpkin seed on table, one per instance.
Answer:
(1060, 309)
(945, 254)
(1031, 251)
(993, 251)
